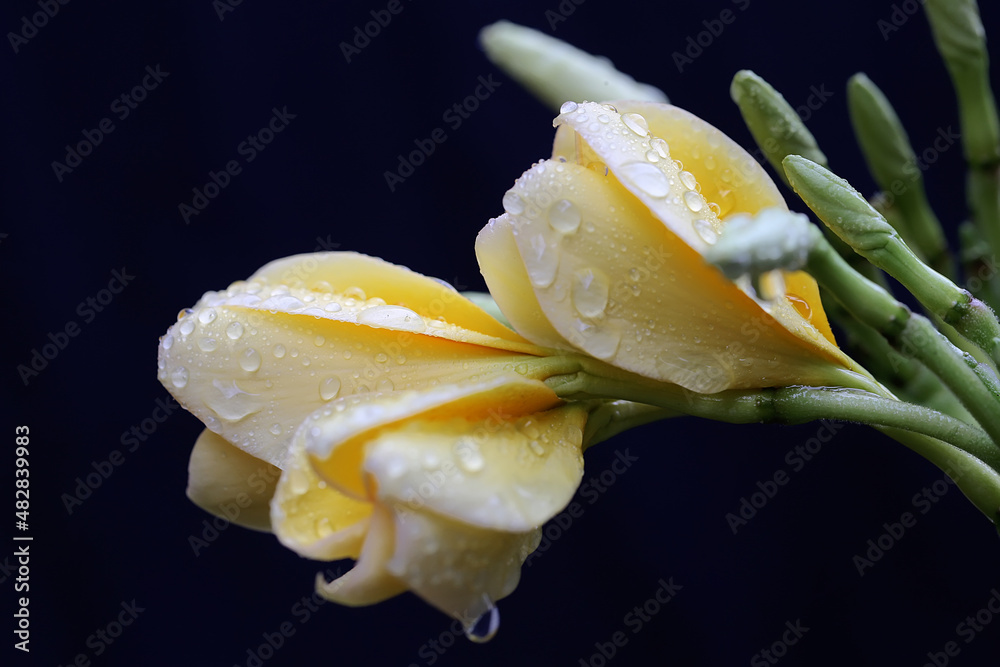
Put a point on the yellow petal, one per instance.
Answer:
(370, 580)
(337, 438)
(313, 519)
(354, 273)
(458, 568)
(228, 482)
(254, 361)
(507, 472)
(621, 286)
(496, 250)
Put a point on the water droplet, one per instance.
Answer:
(601, 342)
(319, 341)
(470, 459)
(568, 107)
(590, 292)
(709, 162)
(279, 351)
(250, 360)
(715, 208)
(207, 316)
(512, 203)
(634, 275)
(660, 146)
(168, 342)
(385, 384)
(347, 354)
(234, 330)
(275, 430)
(636, 123)
(207, 344)
(694, 201)
(652, 155)
(647, 177)
(231, 403)
(392, 317)
(564, 216)
(179, 378)
(542, 261)
(186, 327)
(801, 306)
(604, 118)
(332, 307)
(485, 627)
(688, 179)
(536, 447)
(706, 231)
(329, 388)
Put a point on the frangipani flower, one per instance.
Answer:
(600, 247)
(411, 429)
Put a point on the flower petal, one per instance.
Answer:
(458, 568)
(228, 482)
(312, 518)
(353, 273)
(495, 247)
(339, 437)
(622, 287)
(370, 580)
(506, 472)
(254, 361)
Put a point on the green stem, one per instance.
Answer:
(609, 418)
(784, 405)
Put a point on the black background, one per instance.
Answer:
(321, 183)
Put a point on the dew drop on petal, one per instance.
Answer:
(278, 351)
(706, 231)
(179, 378)
(250, 360)
(186, 327)
(168, 342)
(512, 203)
(275, 429)
(590, 292)
(392, 317)
(332, 307)
(207, 344)
(636, 123)
(688, 179)
(564, 216)
(568, 107)
(207, 316)
(801, 306)
(329, 388)
(660, 146)
(694, 201)
(485, 627)
(647, 177)
(234, 330)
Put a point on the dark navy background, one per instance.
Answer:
(320, 184)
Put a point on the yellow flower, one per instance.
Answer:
(609, 236)
(411, 429)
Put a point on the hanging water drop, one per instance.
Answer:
(485, 627)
